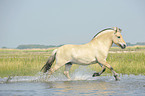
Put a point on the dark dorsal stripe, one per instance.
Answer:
(103, 31)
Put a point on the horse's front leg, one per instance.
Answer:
(99, 73)
(114, 73)
(105, 64)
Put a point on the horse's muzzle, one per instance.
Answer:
(123, 46)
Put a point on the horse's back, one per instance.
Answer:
(70, 48)
(67, 49)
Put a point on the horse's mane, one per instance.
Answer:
(103, 31)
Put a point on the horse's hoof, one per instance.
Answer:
(117, 78)
(96, 74)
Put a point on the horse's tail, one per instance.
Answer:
(50, 61)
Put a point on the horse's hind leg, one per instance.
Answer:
(52, 70)
(99, 73)
(67, 68)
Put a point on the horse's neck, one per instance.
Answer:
(102, 41)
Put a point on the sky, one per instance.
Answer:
(56, 22)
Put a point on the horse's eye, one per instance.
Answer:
(118, 37)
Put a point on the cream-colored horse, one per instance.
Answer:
(95, 51)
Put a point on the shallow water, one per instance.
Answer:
(82, 83)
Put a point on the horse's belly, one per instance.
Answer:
(84, 61)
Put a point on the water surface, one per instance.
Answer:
(82, 84)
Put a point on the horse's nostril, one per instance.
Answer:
(124, 45)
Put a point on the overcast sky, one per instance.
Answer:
(55, 22)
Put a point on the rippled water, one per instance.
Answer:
(82, 83)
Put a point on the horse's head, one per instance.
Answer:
(118, 39)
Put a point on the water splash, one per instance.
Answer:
(81, 73)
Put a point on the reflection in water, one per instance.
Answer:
(102, 87)
(82, 87)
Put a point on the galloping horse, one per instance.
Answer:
(95, 51)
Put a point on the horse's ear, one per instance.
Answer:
(120, 29)
(115, 29)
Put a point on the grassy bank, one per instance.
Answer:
(29, 62)
(22, 62)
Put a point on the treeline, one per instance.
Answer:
(129, 44)
(138, 43)
(32, 46)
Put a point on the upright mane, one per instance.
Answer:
(103, 31)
